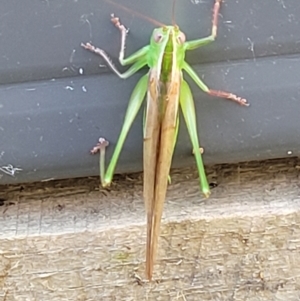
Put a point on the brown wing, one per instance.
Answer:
(164, 153)
(151, 140)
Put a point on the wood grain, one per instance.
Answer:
(68, 240)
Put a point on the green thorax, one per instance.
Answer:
(167, 51)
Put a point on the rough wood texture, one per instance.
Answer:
(65, 240)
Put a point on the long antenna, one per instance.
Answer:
(153, 21)
(173, 13)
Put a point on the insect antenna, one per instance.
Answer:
(173, 13)
(151, 20)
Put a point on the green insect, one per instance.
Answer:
(166, 89)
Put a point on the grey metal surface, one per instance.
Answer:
(56, 101)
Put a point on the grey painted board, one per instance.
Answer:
(57, 99)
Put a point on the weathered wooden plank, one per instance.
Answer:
(65, 240)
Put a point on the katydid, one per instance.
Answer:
(165, 89)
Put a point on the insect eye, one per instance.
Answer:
(181, 38)
(158, 37)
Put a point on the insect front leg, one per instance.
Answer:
(138, 59)
(215, 18)
(124, 31)
(134, 57)
(189, 45)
